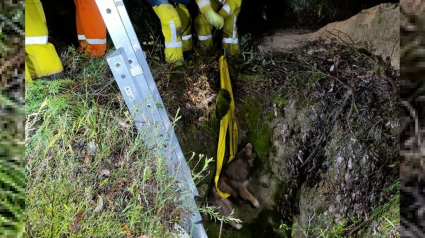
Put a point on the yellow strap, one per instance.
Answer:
(227, 122)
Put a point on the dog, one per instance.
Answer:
(233, 180)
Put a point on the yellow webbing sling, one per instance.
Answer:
(227, 122)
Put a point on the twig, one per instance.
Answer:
(349, 114)
(339, 37)
(221, 227)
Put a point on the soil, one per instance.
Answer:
(372, 29)
(323, 121)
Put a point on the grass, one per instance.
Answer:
(12, 176)
(89, 174)
(12, 173)
(382, 222)
(385, 219)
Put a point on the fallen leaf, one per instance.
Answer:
(126, 229)
(105, 172)
(392, 165)
(92, 147)
(99, 204)
(75, 223)
(87, 159)
(191, 97)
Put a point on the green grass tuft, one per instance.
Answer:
(89, 174)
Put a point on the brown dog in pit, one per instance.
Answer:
(233, 180)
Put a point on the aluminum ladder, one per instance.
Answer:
(134, 78)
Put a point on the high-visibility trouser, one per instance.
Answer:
(91, 29)
(230, 33)
(176, 27)
(186, 22)
(41, 58)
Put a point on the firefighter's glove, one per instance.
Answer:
(216, 20)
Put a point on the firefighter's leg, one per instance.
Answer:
(231, 36)
(186, 22)
(204, 30)
(90, 28)
(82, 43)
(27, 73)
(41, 57)
(171, 29)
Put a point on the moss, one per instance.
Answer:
(256, 124)
(298, 195)
(320, 210)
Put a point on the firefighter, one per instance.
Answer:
(228, 10)
(91, 29)
(176, 27)
(41, 58)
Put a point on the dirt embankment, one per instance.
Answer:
(373, 29)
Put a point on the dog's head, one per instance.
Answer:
(246, 154)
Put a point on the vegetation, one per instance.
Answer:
(382, 222)
(89, 174)
(12, 174)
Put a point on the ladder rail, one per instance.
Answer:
(132, 73)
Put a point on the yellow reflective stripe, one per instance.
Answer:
(173, 31)
(187, 37)
(203, 3)
(227, 9)
(204, 37)
(230, 40)
(35, 40)
(173, 45)
(234, 39)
